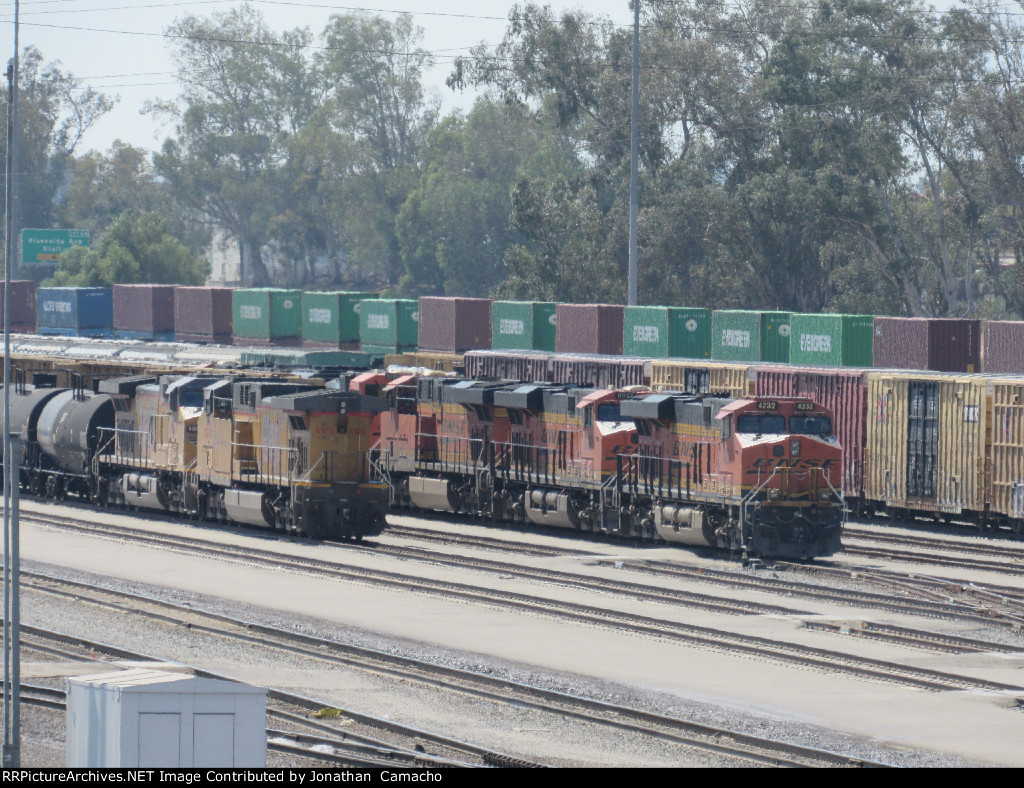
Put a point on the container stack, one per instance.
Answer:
(388, 325)
(267, 316)
(75, 311)
(1004, 346)
(831, 340)
(743, 335)
(144, 312)
(331, 319)
(938, 345)
(667, 331)
(22, 306)
(454, 325)
(203, 315)
(589, 328)
(523, 325)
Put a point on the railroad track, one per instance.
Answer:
(319, 748)
(631, 623)
(936, 605)
(292, 709)
(731, 744)
(965, 546)
(483, 542)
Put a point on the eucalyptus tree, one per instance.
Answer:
(246, 92)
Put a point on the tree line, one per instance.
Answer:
(860, 156)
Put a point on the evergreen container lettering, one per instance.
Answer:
(267, 314)
(388, 325)
(523, 325)
(667, 331)
(332, 318)
(831, 340)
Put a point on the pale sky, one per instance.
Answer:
(117, 45)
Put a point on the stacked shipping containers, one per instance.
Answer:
(742, 335)
(331, 319)
(454, 325)
(831, 340)
(663, 331)
(267, 315)
(938, 345)
(203, 314)
(388, 325)
(75, 311)
(523, 325)
(1004, 346)
(144, 312)
(22, 306)
(589, 328)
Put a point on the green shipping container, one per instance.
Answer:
(267, 313)
(332, 318)
(666, 331)
(389, 323)
(523, 325)
(743, 335)
(831, 340)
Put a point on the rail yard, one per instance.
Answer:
(527, 559)
(531, 648)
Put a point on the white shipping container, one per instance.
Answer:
(143, 718)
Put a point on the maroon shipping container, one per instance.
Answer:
(1004, 346)
(936, 344)
(599, 371)
(844, 392)
(22, 306)
(531, 366)
(589, 328)
(144, 310)
(454, 325)
(202, 314)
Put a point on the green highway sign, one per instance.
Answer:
(46, 246)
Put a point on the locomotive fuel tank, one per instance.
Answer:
(69, 425)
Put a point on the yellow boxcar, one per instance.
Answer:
(702, 377)
(437, 362)
(1006, 457)
(927, 442)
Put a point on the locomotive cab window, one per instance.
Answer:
(298, 423)
(810, 425)
(760, 424)
(608, 411)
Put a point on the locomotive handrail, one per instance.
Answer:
(746, 500)
(269, 462)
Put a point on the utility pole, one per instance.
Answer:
(12, 464)
(634, 145)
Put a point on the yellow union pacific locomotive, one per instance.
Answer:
(287, 456)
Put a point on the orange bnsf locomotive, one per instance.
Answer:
(761, 476)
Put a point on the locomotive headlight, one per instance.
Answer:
(794, 448)
(773, 494)
(824, 495)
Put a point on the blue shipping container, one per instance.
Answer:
(74, 308)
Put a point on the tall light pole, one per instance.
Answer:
(634, 145)
(12, 613)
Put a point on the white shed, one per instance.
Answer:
(150, 719)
